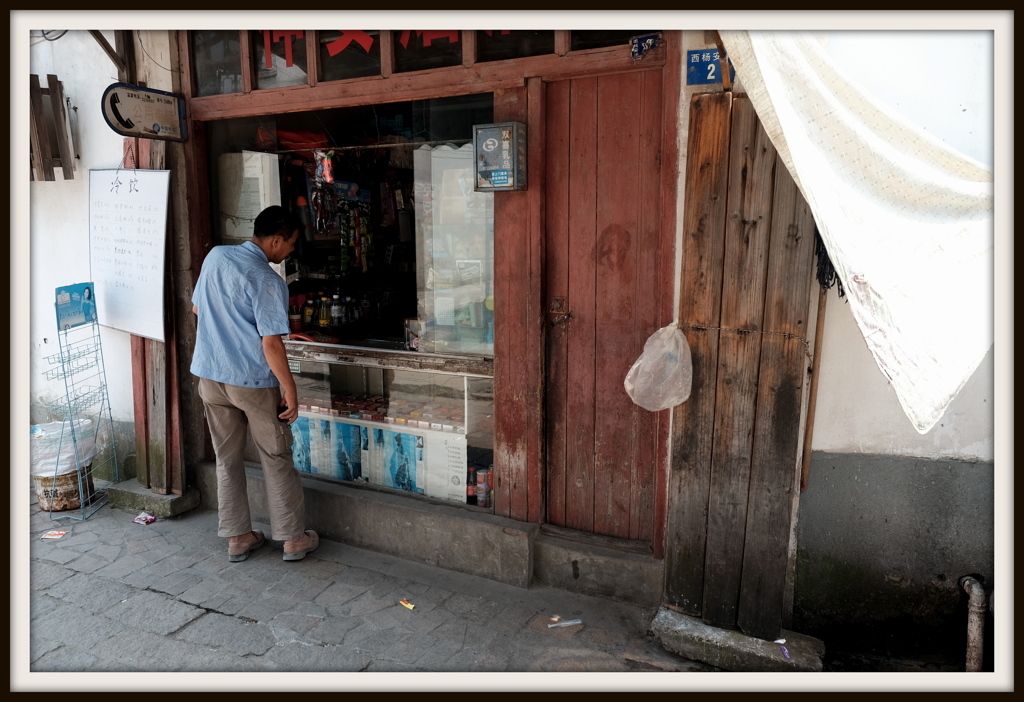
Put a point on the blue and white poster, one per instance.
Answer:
(321, 448)
(76, 305)
(431, 463)
(347, 451)
(300, 445)
(403, 455)
(327, 447)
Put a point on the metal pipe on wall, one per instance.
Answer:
(975, 622)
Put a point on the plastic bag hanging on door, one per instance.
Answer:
(663, 375)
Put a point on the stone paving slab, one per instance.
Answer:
(299, 624)
(124, 597)
(333, 630)
(41, 603)
(122, 566)
(219, 631)
(90, 592)
(261, 609)
(55, 555)
(298, 657)
(39, 647)
(63, 659)
(153, 612)
(45, 575)
(75, 626)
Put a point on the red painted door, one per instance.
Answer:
(603, 292)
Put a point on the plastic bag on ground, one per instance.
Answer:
(48, 450)
(663, 374)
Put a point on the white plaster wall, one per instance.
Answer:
(59, 213)
(942, 80)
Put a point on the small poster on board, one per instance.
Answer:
(76, 305)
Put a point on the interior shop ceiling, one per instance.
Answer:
(421, 120)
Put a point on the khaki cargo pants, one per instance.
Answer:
(230, 409)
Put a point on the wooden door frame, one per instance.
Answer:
(519, 320)
(521, 331)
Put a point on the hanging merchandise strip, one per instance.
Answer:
(359, 147)
(826, 275)
(702, 327)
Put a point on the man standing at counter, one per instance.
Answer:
(244, 381)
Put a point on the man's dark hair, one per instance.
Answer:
(273, 221)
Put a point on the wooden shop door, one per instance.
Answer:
(603, 287)
(747, 274)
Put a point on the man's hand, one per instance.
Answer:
(293, 407)
(277, 359)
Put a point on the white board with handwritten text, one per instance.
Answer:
(127, 233)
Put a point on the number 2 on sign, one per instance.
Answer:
(711, 73)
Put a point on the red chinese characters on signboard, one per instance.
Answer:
(279, 35)
(363, 39)
(428, 37)
(347, 37)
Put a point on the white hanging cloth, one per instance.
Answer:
(907, 220)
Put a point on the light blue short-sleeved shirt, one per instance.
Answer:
(240, 300)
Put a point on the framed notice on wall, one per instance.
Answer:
(127, 231)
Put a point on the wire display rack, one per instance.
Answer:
(86, 420)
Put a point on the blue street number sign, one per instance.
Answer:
(704, 66)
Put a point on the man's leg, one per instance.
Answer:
(273, 440)
(228, 430)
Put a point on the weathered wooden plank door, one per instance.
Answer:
(746, 282)
(603, 291)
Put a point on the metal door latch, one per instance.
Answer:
(556, 306)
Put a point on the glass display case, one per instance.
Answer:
(421, 432)
(455, 257)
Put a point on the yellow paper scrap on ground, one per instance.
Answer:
(405, 603)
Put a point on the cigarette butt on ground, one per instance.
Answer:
(567, 622)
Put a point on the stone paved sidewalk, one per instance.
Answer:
(117, 596)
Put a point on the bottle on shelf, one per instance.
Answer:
(308, 310)
(336, 311)
(324, 319)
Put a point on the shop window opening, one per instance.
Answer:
(395, 259)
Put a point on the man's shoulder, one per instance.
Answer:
(234, 256)
(224, 251)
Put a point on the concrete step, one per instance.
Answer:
(427, 531)
(587, 566)
(463, 540)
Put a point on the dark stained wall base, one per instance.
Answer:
(882, 544)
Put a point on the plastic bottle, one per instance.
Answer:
(325, 312)
(336, 311)
(308, 310)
